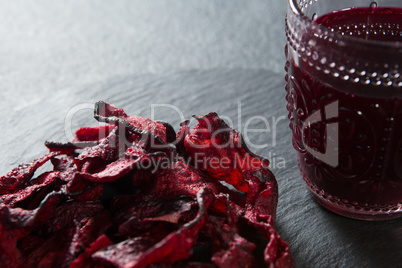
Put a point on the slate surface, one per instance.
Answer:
(169, 60)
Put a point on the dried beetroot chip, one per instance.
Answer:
(133, 157)
(218, 232)
(64, 148)
(170, 132)
(239, 254)
(80, 189)
(229, 248)
(86, 232)
(92, 228)
(85, 137)
(68, 147)
(262, 198)
(107, 149)
(77, 185)
(18, 218)
(214, 147)
(85, 260)
(91, 165)
(93, 133)
(66, 166)
(183, 132)
(18, 177)
(156, 131)
(277, 252)
(32, 195)
(137, 252)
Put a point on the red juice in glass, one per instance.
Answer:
(344, 94)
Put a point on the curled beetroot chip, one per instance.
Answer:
(19, 176)
(85, 260)
(69, 147)
(133, 157)
(277, 252)
(107, 149)
(32, 195)
(66, 166)
(156, 131)
(239, 254)
(132, 193)
(80, 189)
(93, 133)
(220, 151)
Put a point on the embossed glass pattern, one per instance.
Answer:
(344, 95)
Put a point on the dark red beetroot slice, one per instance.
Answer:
(262, 197)
(228, 247)
(133, 157)
(80, 189)
(93, 133)
(25, 220)
(156, 131)
(239, 254)
(84, 137)
(85, 260)
(94, 159)
(176, 246)
(277, 252)
(36, 191)
(107, 149)
(88, 231)
(15, 179)
(183, 132)
(259, 215)
(214, 147)
(69, 147)
(66, 166)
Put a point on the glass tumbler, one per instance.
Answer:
(344, 97)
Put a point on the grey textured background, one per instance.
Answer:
(58, 57)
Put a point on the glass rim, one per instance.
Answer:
(296, 9)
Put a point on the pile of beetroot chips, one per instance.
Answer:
(132, 193)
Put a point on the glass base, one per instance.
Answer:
(358, 212)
